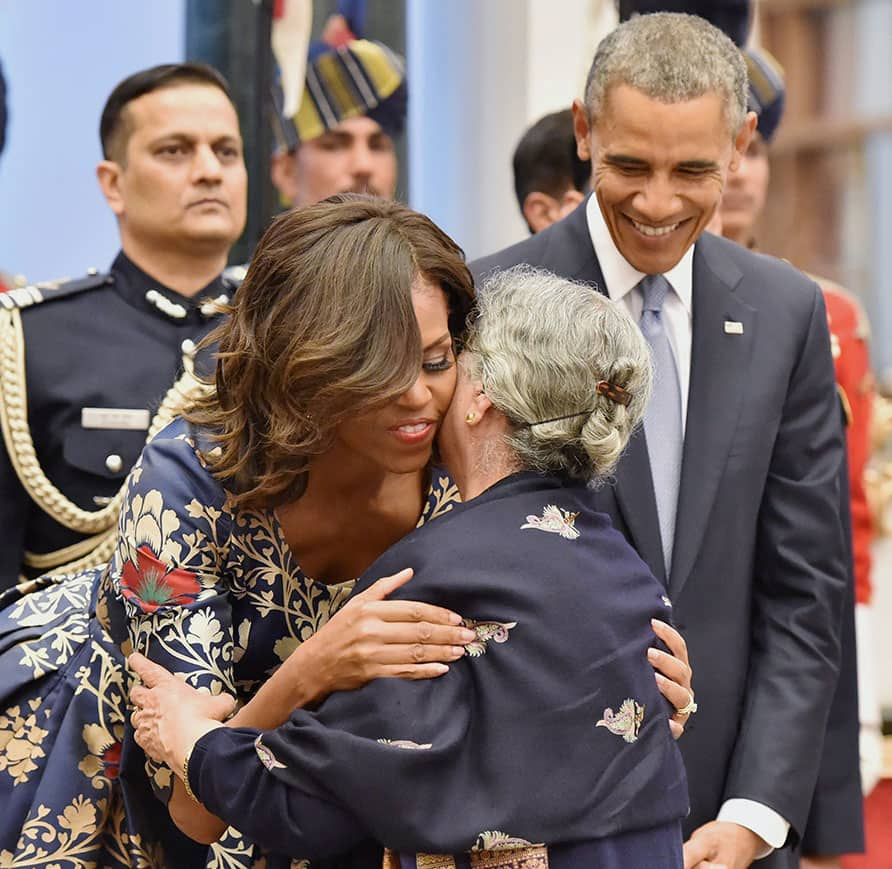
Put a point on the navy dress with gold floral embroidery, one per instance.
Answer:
(212, 594)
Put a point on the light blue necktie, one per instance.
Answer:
(662, 421)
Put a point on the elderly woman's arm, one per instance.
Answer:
(175, 725)
(367, 639)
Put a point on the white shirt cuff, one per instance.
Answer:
(764, 822)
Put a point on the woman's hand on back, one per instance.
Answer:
(371, 637)
(673, 675)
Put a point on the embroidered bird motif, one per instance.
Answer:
(554, 520)
(486, 631)
(405, 743)
(496, 840)
(267, 758)
(626, 721)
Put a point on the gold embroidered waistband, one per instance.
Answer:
(534, 857)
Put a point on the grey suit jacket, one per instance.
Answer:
(758, 577)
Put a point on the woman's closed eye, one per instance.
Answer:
(442, 364)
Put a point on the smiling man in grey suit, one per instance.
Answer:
(730, 493)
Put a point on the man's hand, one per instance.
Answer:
(722, 843)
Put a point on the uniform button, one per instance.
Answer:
(114, 463)
(188, 346)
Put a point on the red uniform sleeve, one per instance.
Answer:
(848, 330)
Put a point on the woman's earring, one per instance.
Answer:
(470, 416)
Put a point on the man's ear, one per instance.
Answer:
(582, 130)
(569, 201)
(742, 140)
(108, 173)
(283, 174)
(540, 210)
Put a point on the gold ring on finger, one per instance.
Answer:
(689, 709)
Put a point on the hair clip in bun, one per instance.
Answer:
(614, 393)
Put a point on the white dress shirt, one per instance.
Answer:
(621, 279)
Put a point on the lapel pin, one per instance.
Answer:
(732, 327)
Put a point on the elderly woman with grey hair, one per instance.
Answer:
(547, 744)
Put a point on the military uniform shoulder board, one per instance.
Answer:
(48, 291)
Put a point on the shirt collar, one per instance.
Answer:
(620, 276)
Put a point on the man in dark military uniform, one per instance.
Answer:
(85, 366)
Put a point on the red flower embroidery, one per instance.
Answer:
(111, 760)
(150, 583)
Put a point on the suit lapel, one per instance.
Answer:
(720, 356)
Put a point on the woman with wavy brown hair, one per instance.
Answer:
(244, 527)
(242, 533)
(547, 745)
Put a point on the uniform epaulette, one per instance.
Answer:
(48, 291)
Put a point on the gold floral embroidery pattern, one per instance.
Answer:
(492, 850)
(104, 681)
(74, 836)
(20, 740)
(486, 631)
(157, 568)
(534, 857)
(128, 848)
(554, 520)
(190, 568)
(304, 606)
(62, 610)
(444, 496)
(434, 861)
(233, 851)
(626, 721)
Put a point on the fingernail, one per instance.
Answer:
(442, 669)
(458, 651)
(468, 636)
(653, 654)
(661, 679)
(656, 623)
(455, 619)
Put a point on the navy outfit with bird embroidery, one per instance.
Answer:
(549, 735)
